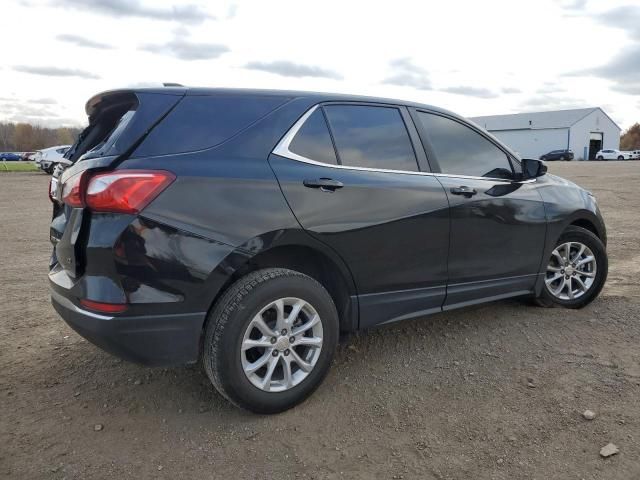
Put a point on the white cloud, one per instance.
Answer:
(54, 71)
(291, 69)
(82, 42)
(187, 50)
(187, 13)
(405, 73)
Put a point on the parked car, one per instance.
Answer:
(613, 155)
(248, 228)
(635, 155)
(9, 157)
(46, 159)
(557, 155)
(27, 156)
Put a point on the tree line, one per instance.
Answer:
(630, 140)
(24, 137)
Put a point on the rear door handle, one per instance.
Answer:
(463, 190)
(325, 184)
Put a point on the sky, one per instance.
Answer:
(472, 57)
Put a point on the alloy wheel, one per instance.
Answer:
(282, 344)
(571, 271)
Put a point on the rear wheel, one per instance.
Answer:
(561, 158)
(576, 270)
(270, 339)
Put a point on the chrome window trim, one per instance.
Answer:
(282, 150)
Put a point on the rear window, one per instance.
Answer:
(200, 122)
(104, 128)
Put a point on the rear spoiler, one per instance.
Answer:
(94, 104)
(139, 111)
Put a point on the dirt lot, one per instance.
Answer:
(445, 397)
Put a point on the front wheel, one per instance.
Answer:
(620, 157)
(270, 339)
(576, 270)
(600, 157)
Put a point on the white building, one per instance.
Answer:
(583, 130)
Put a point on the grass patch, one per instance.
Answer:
(18, 167)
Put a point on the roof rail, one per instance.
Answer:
(171, 84)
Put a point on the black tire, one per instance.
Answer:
(562, 158)
(578, 234)
(600, 157)
(229, 319)
(620, 157)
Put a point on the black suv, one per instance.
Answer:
(249, 228)
(558, 155)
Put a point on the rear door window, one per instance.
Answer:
(199, 122)
(371, 136)
(313, 140)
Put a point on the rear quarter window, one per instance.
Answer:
(313, 140)
(200, 122)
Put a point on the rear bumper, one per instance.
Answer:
(153, 340)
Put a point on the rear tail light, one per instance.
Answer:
(125, 191)
(103, 307)
(122, 191)
(72, 190)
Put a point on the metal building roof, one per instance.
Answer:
(535, 120)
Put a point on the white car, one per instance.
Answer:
(47, 158)
(611, 154)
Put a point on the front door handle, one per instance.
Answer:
(324, 184)
(463, 190)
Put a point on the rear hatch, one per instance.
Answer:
(118, 121)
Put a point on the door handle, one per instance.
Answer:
(464, 191)
(324, 184)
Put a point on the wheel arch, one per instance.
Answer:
(295, 250)
(587, 224)
(589, 220)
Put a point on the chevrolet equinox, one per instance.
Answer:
(249, 228)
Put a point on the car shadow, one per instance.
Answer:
(97, 379)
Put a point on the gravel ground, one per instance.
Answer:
(491, 392)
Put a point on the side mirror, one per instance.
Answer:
(532, 168)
